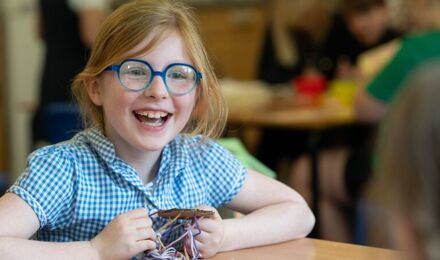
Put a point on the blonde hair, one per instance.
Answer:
(408, 174)
(129, 25)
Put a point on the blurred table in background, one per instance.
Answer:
(254, 105)
(308, 249)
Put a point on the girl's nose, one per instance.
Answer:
(157, 89)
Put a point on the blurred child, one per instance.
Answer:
(311, 37)
(291, 46)
(358, 26)
(146, 148)
(309, 34)
(422, 19)
(344, 169)
(407, 180)
(293, 40)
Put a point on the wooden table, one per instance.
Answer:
(308, 249)
(252, 104)
(258, 106)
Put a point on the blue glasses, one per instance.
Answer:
(137, 75)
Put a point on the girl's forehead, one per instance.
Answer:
(152, 40)
(166, 46)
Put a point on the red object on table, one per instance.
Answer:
(310, 85)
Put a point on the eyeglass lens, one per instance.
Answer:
(179, 78)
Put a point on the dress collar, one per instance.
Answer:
(103, 146)
(175, 155)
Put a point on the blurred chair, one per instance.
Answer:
(237, 148)
(62, 121)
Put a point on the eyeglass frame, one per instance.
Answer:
(117, 68)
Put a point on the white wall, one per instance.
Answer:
(23, 62)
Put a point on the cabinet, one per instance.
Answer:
(233, 36)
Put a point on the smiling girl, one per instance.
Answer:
(150, 103)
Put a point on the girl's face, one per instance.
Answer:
(146, 120)
(368, 26)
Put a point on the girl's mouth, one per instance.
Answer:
(151, 118)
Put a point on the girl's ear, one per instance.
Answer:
(94, 91)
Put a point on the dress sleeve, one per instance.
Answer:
(47, 184)
(389, 81)
(225, 174)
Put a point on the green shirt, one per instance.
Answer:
(415, 50)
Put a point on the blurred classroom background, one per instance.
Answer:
(234, 32)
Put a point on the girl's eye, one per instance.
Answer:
(136, 71)
(177, 75)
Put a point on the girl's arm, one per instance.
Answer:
(19, 223)
(367, 108)
(274, 213)
(125, 236)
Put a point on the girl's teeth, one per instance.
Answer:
(152, 118)
(153, 114)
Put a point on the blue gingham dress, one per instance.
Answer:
(77, 187)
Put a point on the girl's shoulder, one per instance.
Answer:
(200, 149)
(195, 145)
(70, 150)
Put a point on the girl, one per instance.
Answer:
(150, 101)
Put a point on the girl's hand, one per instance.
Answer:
(125, 236)
(210, 240)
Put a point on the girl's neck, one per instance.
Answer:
(147, 168)
(146, 164)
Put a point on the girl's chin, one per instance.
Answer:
(153, 144)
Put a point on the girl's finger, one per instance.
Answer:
(200, 237)
(142, 223)
(206, 225)
(138, 213)
(145, 233)
(146, 244)
(200, 247)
